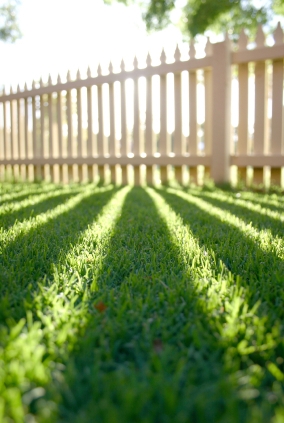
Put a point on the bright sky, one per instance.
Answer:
(69, 34)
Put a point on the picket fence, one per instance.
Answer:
(81, 129)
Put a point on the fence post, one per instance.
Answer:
(221, 111)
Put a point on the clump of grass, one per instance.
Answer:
(145, 305)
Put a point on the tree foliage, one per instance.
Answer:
(197, 16)
(9, 29)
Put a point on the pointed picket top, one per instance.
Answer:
(78, 75)
(177, 54)
(18, 88)
(208, 47)
(110, 68)
(243, 41)
(49, 80)
(260, 37)
(68, 77)
(41, 82)
(122, 65)
(278, 34)
(228, 40)
(89, 73)
(25, 87)
(99, 70)
(163, 57)
(58, 79)
(135, 62)
(191, 49)
(148, 60)
(33, 84)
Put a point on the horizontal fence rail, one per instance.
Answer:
(210, 113)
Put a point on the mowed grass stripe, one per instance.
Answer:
(34, 348)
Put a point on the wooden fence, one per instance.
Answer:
(104, 124)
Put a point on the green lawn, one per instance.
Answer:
(141, 305)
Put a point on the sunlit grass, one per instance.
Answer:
(141, 305)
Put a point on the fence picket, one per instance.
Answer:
(80, 128)
(5, 131)
(12, 129)
(112, 144)
(42, 131)
(260, 130)
(277, 109)
(208, 84)
(123, 141)
(243, 79)
(2, 156)
(178, 147)
(70, 133)
(164, 148)
(277, 118)
(36, 169)
(50, 137)
(221, 134)
(19, 135)
(101, 141)
(90, 139)
(18, 123)
(149, 127)
(136, 126)
(26, 128)
(192, 145)
(59, 130)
